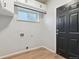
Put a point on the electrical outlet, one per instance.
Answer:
(21, 34)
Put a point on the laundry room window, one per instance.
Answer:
(27, 15)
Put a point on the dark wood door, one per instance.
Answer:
(68, 32)
(61, 35)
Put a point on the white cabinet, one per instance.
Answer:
(37, 4)
(34, 5)
(6, 7)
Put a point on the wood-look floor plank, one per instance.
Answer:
(40, 53)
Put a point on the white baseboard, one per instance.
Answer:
(49, 49)
(18, 52)
(15, 53)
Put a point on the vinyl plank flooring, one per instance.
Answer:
(40, 53)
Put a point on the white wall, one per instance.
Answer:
(50, 22)
(10, 29)
(10, 40)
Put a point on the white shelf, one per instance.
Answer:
(32, 4)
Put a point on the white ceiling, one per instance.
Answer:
(42, 1)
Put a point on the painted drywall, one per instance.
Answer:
(50, 23)
(10, 30)
(10, 40)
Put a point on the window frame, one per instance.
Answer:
(18, 8)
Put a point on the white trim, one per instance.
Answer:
(49, 49)
(26, 5)
(15, 53)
